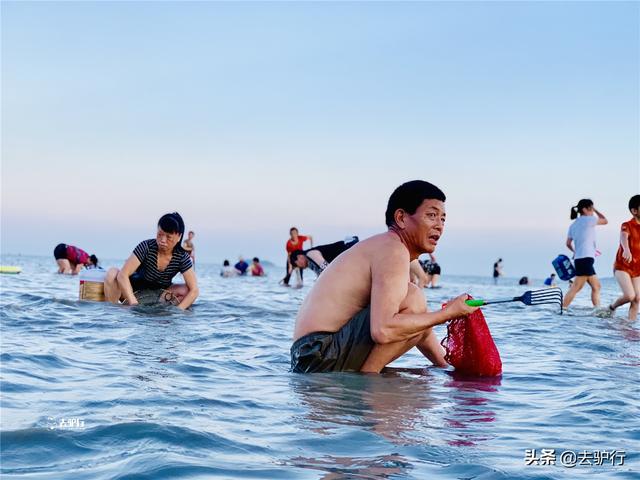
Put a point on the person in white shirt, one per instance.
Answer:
(581, 240)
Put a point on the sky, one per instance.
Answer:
(252, 117)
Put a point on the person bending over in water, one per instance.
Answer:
(152, 266)
(582, 233)
(318, 258)
(71, 259)
(626, 268)
(363, 312)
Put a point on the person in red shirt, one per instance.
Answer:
(256, 268)
(71, 259)
(627, 265)
(294, 243)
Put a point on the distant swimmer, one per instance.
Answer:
(497, 270)
(152, 266)
(295, 242)
(362, 313)
(256, 268)
(524, 281)
(627, 264)
(72, 259)
(189, 247)
(581, 240)
(319, 257)
(241, 266)
(228, 270)
(550, 281)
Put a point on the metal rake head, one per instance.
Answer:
(545, 295)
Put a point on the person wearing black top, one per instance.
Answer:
(318, 258)
(152, 266)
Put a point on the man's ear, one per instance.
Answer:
(399, 217)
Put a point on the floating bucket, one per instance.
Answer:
(92, 284)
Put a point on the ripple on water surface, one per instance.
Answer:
(99, 391)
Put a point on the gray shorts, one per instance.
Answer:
(343, 351)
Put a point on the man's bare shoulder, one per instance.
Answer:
(385, 246)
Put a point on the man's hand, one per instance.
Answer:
(458, 308)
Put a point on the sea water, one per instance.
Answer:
(98, 391)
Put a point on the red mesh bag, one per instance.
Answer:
(470, 347)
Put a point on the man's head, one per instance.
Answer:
(256, 260)
(416, 212)
(191, 234)
(293, 233)
(298, 259)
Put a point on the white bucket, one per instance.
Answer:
(92, 284)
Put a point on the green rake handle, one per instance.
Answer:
(475, 303)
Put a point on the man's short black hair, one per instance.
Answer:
(294, 256)
(634, 202)
(409, 196)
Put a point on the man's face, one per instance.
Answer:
(301, 261)
(424, 228)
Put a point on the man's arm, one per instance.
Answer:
(129, 267)
(389, 287)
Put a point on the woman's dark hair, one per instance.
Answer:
(582, 204)
(225, 263)
(173, 223)
(634, 202)
(94, 260)
(409, 196)
(292, 229)
(256, 259)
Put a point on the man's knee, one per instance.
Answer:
(414, 302)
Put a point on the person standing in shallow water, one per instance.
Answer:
(152, 266)
(363, 312)
(497, 271)
(189, 247)
(581, 240)
(626, 268)
(295, 242)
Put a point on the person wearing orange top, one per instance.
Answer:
(627, 265)
(294, 243)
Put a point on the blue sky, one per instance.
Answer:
(249, 118)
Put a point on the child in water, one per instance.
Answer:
(627, 265)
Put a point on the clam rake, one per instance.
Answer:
(532, 297)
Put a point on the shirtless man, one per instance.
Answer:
(363, 312)
(189, 247)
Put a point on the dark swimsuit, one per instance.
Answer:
(343, 351)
